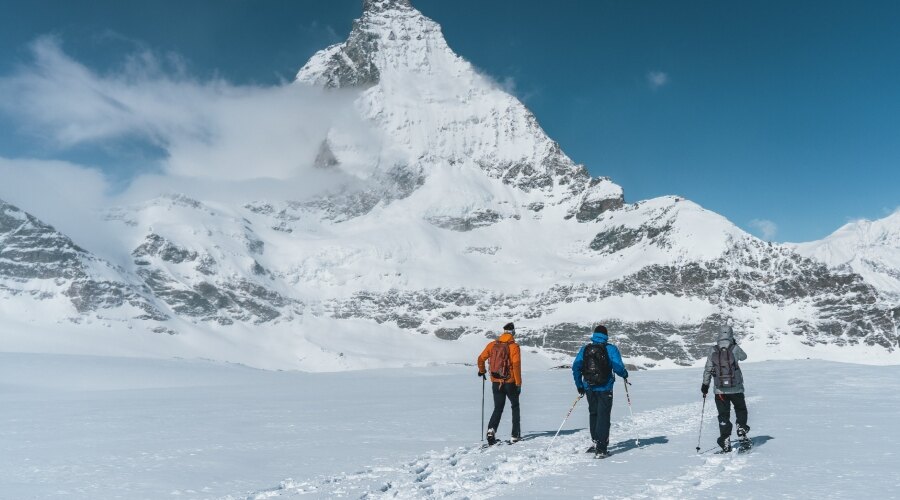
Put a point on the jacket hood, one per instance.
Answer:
(506, 337)
(599, 338)
(726, 336)
(726, 333)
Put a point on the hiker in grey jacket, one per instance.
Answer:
(722, 364)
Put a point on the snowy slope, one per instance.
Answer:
(91, 427)
(462, 215)
(868, 248)
(38, 264)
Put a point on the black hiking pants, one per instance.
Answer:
(599, 407)
(723, 405)
(501, 392)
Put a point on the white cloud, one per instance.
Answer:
(765, 228)
(62, 194)
(507, 84)
(657, 79)
(209, 129)
(221, 142)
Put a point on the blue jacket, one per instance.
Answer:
(614, 358)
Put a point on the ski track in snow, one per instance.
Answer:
(714, 469)
(475, 472)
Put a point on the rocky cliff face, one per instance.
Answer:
(39, 262)
(471, 217)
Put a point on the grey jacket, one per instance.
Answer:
(726, 339)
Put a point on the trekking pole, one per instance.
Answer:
(702, 410)
(483, 379)
(564, 422)
(637, 442)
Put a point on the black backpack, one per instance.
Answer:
(596, 368)
(723, 367)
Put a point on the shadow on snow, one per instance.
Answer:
(629, 444)
(533, 435)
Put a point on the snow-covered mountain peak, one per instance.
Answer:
(666, 229)
(433, 108)
(868, 233)
(371, 6)
(391, 39)
(453, 215)
(870, 248)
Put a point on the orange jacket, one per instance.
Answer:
(515, 359)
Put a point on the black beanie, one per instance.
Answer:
(509, 327)
(601, 329)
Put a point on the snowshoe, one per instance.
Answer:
(514, 440)
(601, 454)
(491, 438)
(724, 442)
(744, 444)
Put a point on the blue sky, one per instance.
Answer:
(782, 116)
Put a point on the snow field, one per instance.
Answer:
(94, 427)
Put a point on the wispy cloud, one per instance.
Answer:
(657, 79)
(764, 228)
(219, 141)
(508, 84)
(318, 31)
(208, 129)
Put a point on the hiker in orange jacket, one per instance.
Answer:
(505, 362)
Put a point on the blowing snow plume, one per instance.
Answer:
(206, 129)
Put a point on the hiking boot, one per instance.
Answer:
(601, 454)
(724, 442)
(742, 431)
(593, 448)
(490, 437)
(514, 439)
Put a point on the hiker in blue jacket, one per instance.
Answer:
(593, 371)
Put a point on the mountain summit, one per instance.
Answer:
(433, 110)
(869, 248)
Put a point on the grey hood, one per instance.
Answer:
(726, 336)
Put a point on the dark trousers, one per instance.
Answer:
(723, 405)
(501, 392)
(599, 407)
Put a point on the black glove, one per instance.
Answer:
(581, 391)
(518, 390)
(481, 374)
(704, 389)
